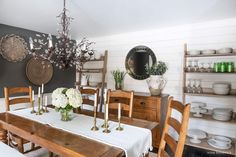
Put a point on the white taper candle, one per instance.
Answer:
(119, 111)
(50, 41)
(95, 100)
(31, 43)
(32, 95)
(42, 88)
(105, 95)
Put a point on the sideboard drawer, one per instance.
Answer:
(146, 103)
(150, 115)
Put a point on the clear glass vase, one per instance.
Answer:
(65, 115)
(119, 85)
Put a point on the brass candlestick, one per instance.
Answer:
(106, 130)
(119, 128)
(104, 124)
(39, 109)
(33, 111)
(42, 109)
(46, 109)
(95, 128)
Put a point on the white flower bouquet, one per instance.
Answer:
(65, 100)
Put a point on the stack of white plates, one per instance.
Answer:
(196, 135)
(194, 52)
(208, 52)
(222, 114)
(221, 88)
(224, 50)
(220, 142)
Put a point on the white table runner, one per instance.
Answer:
(133, 140)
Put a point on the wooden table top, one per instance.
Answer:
(64, 143)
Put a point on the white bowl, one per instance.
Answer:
(194, 52)
(221, 91)
(208, 52)
(196, 133)
(221, 117)
(223, 111)
(195, 140)
(221, 85)
(225, 50)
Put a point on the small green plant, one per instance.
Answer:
(118, 75)
(158, 68)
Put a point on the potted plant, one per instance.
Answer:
(65, 100)
(118, 76)
(156, 82)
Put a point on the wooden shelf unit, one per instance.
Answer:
(101, 85)
(211, 55)
(207, 92)
(220, 73)
(87, 70)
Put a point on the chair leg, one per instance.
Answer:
(50, 154)
(20, 146)
(147, 155)
(32, 146)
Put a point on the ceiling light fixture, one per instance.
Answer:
(65, 52)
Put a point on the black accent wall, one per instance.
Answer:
(13, 74)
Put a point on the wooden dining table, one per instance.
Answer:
(62, 142)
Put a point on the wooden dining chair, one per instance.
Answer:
(14, 140)
(167, 141)
(87, 94)
(119, 96)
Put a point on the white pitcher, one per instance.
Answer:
(84, 79)
(156, 83)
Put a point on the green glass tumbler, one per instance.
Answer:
(230, 67)
(223, 67)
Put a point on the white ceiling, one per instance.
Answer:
(105, 17)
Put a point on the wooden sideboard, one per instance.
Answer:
(151, 108)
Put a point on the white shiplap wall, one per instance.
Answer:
(168, 45)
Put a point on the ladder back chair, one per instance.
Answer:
(120, 96)
(15, 90)
(167, 141)
(14, 140)
(87, 94)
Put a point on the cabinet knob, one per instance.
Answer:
(116, 100)
(142, 104)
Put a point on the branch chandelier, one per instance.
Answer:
(65, 52)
